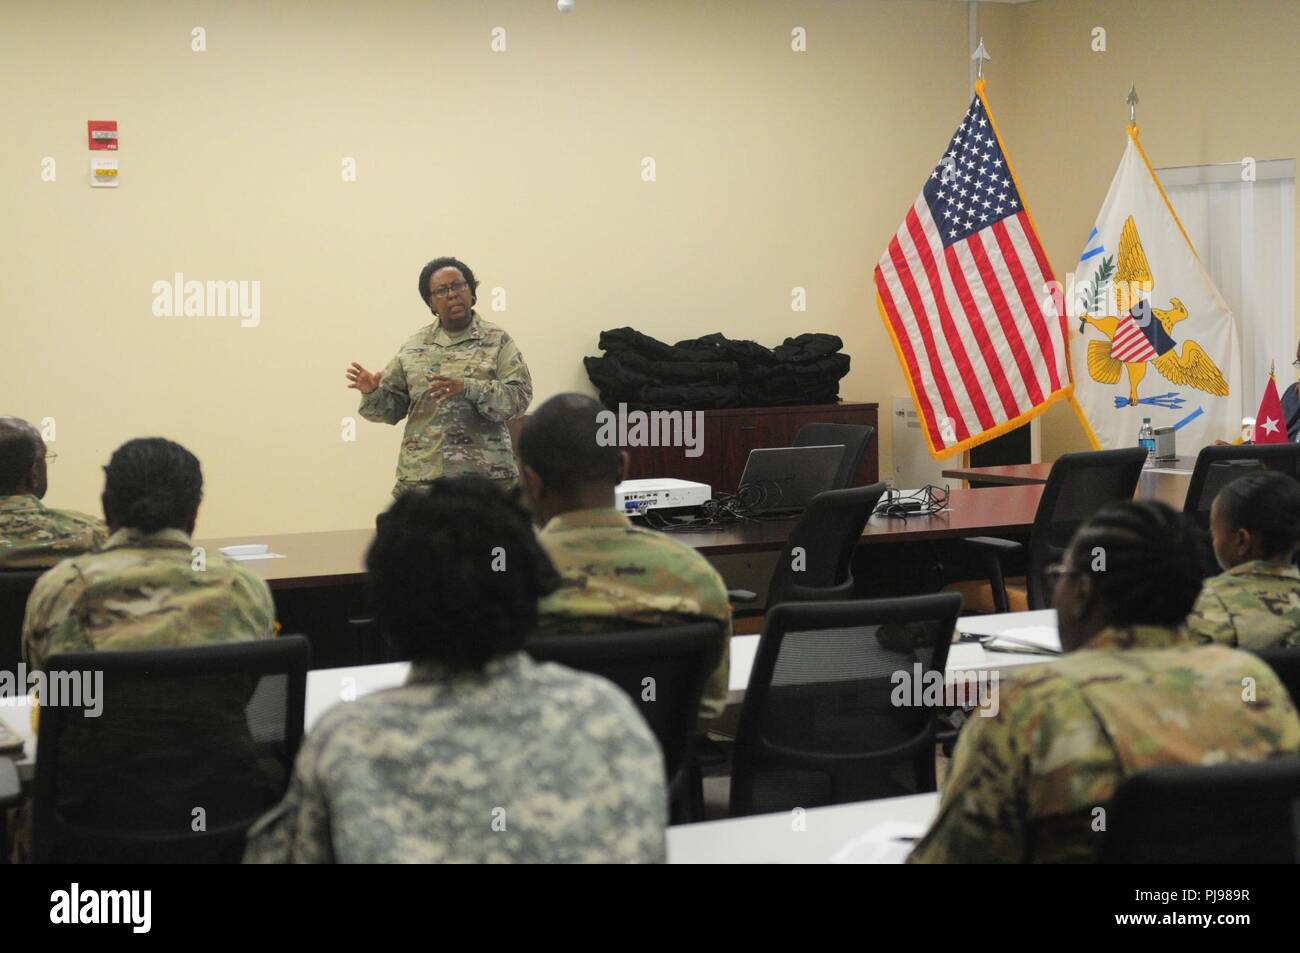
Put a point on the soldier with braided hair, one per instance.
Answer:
(1133, 692)
(1255, 601)
(144, 589)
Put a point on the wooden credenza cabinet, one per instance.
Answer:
(730, 434)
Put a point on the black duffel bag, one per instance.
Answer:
(714, 371)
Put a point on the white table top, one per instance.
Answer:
(16, 713)
(327, 687)
(962, 656)
(777, 838)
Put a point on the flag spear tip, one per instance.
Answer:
(979, 56)
(1132, 100)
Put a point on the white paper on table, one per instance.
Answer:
(888, 842)
(1027, 638)
(252, 556)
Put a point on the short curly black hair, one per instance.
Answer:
(447, 262)
(561, 441)
(1144, 562)
(455, 573)
(151, 484)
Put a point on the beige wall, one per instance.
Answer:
(775, 169)
(1218, 80)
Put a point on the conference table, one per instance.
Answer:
(318, 579)
(1166, 482)
(311, 560)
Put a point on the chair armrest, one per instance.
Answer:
(994, 544)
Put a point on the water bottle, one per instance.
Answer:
(1147, 439)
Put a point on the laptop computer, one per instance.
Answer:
(789, 477)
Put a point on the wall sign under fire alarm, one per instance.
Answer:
(103, 173)
(102, 134)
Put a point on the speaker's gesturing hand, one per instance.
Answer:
(361, 379)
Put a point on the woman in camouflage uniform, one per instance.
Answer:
(1255, 601)
(456, 382)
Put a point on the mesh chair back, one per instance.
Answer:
(817, 562)
(166, 755)
(855, 438)
(1079, 485)
(1285, 662)
(836, 708)
(15, 586)
(1215, 468)
(1189, 814)
(677, 659)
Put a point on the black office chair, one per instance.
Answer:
(816, 563)
(1285, 662)
(819, 724)
(188, 748)
(679, 659)
(15, 586)
(1079, 485)
(1215, 468)
(855, 438)
(1190, 814)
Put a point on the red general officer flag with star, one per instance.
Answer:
(1270, 425)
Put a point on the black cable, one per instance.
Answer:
(927, 501)
(746, 504)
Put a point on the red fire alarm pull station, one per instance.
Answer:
(102, 133)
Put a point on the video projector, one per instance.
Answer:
(634, 496)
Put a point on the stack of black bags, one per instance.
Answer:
(713, 371)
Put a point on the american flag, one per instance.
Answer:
(963, 289)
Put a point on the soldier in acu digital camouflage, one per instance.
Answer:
(32, 535)
(456, 382)
(1133, 692)
(483, 755)
(613, 574)
(144, 588)
(1255, 601)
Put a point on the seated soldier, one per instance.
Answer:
(32, 535)
(1255, 601)
(612, 573)
(1291, 403)
(146, 588)
(483, 755)
(1132, 693)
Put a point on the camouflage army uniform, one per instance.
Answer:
(33, 536)
(465, 434)
(142, 592)
(1255, 605)
(523, 762)
(1024, 783)
(613, 572)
